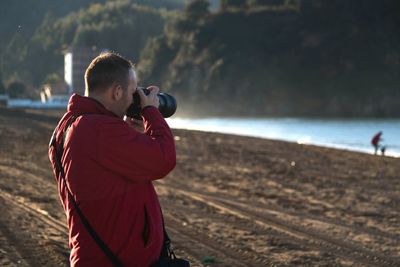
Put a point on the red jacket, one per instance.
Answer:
(109, 168)
(375, 140)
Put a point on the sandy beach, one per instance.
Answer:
(231, 201)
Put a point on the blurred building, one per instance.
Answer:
(76, 60)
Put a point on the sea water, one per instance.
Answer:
(350, 134)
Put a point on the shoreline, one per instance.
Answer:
(329, 146)
(349, 136)
(369, 150)
(57, 113)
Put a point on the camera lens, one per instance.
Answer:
(167, 106)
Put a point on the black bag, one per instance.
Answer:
(167, 256)
(169, 262)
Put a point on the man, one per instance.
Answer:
(376, 139)
(109, 167)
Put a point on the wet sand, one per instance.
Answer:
(231, 201)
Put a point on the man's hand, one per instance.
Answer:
(150, 99)
(134, 123)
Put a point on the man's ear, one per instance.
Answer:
(117, 92)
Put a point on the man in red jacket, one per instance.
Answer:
(109, 167)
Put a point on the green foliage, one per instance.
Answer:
(118, 25)
(53, 78)
(34, 33)
(226, 4)
(282, 58)
(2, 87)
(14, 54)
(16, 89)
(155, 56)
(164, 4)
(23, 56)
(197, 9)
(23, 16)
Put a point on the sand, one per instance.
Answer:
(231, 201)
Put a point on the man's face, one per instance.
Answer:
(127, 97)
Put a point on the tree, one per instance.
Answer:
(53, 78)
(13, 56)
(2, 88)
(197, 9)
(227, 4)
(16, 89)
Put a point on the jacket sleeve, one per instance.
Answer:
(139, 157)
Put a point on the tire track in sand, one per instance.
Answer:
(275, 210)
(182, 238)
(10, 255)
(35, 234)
(199, 246)
(313, 238)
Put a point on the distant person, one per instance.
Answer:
(109, 167)
(375, 141)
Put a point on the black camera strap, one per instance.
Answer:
(166, 250)
(110, 255)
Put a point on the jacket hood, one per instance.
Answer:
(78, 104)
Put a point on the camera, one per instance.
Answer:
(167, 105)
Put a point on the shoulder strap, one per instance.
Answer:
(58, 154)
(167, 249)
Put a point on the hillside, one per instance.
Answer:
(313, 58)
(34, 34)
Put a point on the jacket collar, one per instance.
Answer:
(78, 104)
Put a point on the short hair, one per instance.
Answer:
(106, 69)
